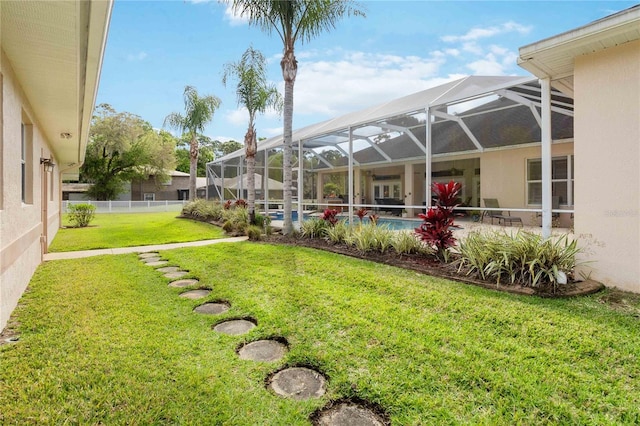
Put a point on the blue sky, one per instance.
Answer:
(156, 48)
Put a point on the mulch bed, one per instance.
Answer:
(433, 267)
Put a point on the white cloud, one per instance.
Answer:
(475, 34)
(354, 80)
(234, 18)
(237, 117)
(140, 56)
(487, 66)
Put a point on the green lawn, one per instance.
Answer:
(133, 229)
(104, 340)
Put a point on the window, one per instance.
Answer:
(149, 196)
(562, 181)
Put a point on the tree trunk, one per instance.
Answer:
(193, 167)
(250, 151)
(289, 66)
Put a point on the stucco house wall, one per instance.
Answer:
(607, 134)
(504, 177)
(22, 224)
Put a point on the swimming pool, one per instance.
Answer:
(395, 224)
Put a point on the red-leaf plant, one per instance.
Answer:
(361, 213)
(436, 228)
(330, 215)
(241, 203)
(227, 205)
(373, 218)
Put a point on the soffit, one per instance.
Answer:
(55, 49)
(554, 57)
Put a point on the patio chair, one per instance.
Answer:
(504, 216)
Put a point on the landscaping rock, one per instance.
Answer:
(169, 269)
(174, 275)
(148, 255)
(348, 414)
(212, 308)
(157, 263)
(151, 259)
(183, 283)
(195, 294)
(298, 383)
(263, 350)
(234, 327)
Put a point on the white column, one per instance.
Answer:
(222, 181)
(545, 86)
(350, 175)
(356, 186)
(320, 189)
(408, 187)
(300, 183)
(265, 180)
(240, 192)
(427, 178)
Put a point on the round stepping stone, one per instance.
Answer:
(183, 283)
(148, 255)
(298, 383)
(195, 294)
(151, 259)
(348, 413)
(169, 269)
(234, 327)
(158, 263)
(212, 308)
(174, 275)
(263, 350)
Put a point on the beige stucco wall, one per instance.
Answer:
(21, 224)
(504, 177)
(607, 147)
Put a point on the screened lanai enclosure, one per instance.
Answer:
(503, 138)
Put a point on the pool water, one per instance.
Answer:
(396, 224)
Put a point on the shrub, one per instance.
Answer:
(262, 221)
(526, 258)
(361, 213)
(371, 237)
(405, 242)
(254, 233)
(338, 233)
(236, 220)
(81, 214)
(313, 228)
(435, 229)
(330, 216)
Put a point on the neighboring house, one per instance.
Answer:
(174, 188)
(51, 56)
(78, 192)
(599, 66)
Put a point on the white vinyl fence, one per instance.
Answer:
(130, 206)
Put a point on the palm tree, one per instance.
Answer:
(256, 95)
(292, 20)
(198, 112)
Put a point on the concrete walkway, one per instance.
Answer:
(138, 249)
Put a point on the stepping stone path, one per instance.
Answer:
(349, 413)
(234, 327)
(212, 308)
(195, 294)
(183, 283)
(263, 350)
(169, 269)
(157, 263)
(148, 255)
(176, 274)
(298, 383)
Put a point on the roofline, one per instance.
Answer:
(578, 36)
